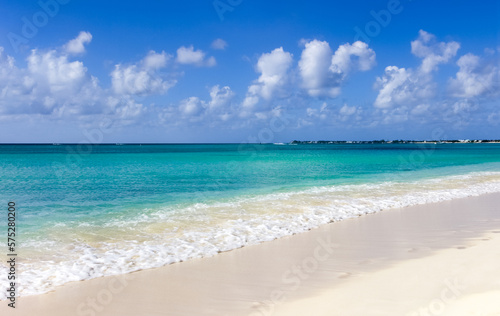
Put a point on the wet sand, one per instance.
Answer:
(433, 259)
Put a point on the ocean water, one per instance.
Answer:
(85, 211)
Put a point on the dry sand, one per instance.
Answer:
(435, 259)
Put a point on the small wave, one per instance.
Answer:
(168, 235)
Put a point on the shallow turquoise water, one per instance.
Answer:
(64, 182)
(78, 183)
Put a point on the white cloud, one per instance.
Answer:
(474, 78)
(347, 110)
(352, 114)
(464, 106)
(323, 72)
(320, 70)
(219, 44)
(220, 97)
(314, 67)
(458, 113)
(187, 55)
(142, 78)
(432, 52)
(154, 60)
(54, 87)
(406, 93)
(55, 72)
(14, 85)
(273, 68)
(322, 113)
(193, 109)
(394, 87)
(190, 56)
(326, 115)
(403, 87)
(395, 116)
(191, 106)
(343, 62)
(420, 109)
(408, 87)
(50, 81)
(76, 45)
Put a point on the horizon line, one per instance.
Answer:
(272, 143)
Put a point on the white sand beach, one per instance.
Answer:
(434, 259)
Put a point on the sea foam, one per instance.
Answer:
(167, 235)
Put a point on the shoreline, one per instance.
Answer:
(266, 217)
(292, 272)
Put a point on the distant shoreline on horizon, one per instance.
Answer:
(399, 141)
(297, 142)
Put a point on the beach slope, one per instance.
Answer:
(434, 259)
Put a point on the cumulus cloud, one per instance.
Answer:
(357, 56)
(7, 66)
(77, 45)
(420, 109)
(53, 86)
(155, 60)
(458, 113)
(432, 52)
(353, 115)
(220, 98)
(50, 81)
(464, 106)
(322, 113)
(220, 101)
(330, 115)
(314, 67)
(55, 72)
(475, 78)
(409, 87)
(322, 72)
(347, 110)
(142, 78)
(273, 68)
(406, 91)
(190, 56)
(219, 44)
(191, 106)
(210, 112)
(401, 86)
(14, 86)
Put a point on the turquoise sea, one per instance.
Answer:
(85, 211)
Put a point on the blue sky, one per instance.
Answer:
(240, 71)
